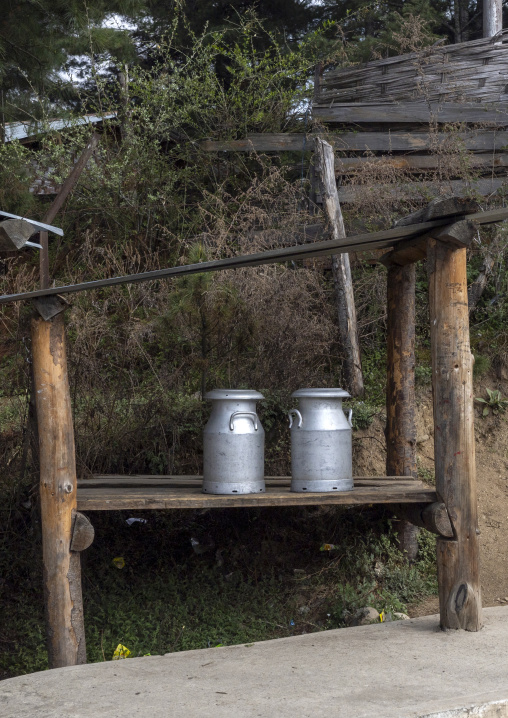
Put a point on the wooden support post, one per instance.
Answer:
(44, 259)
(62, 574)
(400, 387)
(341, 269)
(452, 382)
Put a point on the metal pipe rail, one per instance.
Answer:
(361, 242)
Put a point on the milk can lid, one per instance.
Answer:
(321, 394)
(233, 394)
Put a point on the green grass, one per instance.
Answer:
(168, 598)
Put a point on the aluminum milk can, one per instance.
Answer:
(321, 441)
(233, 444)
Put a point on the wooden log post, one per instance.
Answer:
(348, 329)
(58, 484)
(452, 382)
(44, 259)
(400, 388)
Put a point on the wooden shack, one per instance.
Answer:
(449, 509)
(439, 115)
(441, 233)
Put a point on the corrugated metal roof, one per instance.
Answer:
(23, 130)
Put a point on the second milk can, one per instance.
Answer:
(321, 441)
(233, 444)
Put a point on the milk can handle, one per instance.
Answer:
(300, 418)
(243, 413)
(349, 418)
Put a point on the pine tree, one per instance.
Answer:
(39, 39)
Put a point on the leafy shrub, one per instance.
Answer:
(481, 365)
(423, 375)
(363, 414)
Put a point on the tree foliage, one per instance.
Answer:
(39, 40)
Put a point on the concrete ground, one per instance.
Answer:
(392, 670)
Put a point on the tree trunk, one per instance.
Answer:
(452, 382)
(341, 268)
(461, 20)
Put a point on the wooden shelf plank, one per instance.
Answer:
(173, 480)
(116, 493)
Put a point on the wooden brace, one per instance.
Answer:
(458, 234)
(433, 517)
(49, 307)
(83, 532)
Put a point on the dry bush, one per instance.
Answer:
(289, 316)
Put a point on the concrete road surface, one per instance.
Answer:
(392, 670)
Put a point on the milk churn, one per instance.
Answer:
(321, 441)
(234, 444)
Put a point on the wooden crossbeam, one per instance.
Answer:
(459, 234)
(418, 163)
(360, 242)
(484, 187)
(478, 141)
(413, 112)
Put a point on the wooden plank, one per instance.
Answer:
(62, 574)
(58, 203)
(440, 207)
(454, 445)
(269, 142)
(475, 140)
(406, 253)
(360, 242)
(192, 498)
(413, 112)
(44, 260)
(418, 163)
(115, 481)
(485, 187)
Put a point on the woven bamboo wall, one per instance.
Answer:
(473, 72)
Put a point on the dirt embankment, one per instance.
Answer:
(492, 478)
